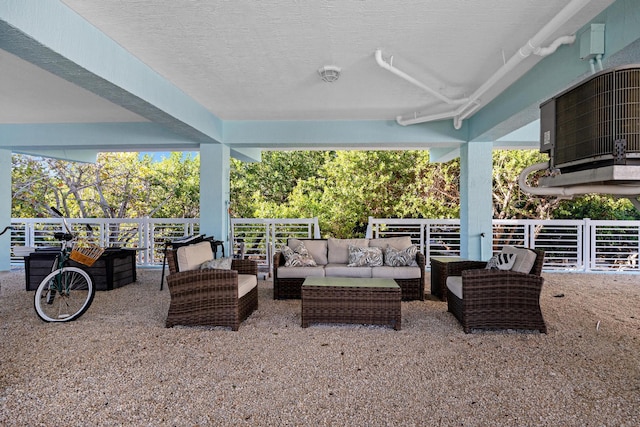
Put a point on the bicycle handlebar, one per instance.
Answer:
(64, 221)
(57, 212)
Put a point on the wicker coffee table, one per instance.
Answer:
(351, 300)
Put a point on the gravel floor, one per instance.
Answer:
(118, 365)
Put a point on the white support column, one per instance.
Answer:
(5, 211)
(476, 204)
(214, 191)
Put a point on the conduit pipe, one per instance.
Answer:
(525, 51)
(596, 60)
(546, 51)
(576, 190)
(389, 66)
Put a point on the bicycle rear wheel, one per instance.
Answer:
(64, 295)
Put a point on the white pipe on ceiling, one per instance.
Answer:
(546, 51)
(389, 66)
(571, 191)
(532, 46)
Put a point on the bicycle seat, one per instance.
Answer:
(59, 235)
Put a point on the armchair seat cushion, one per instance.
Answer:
(454, 284)
(246, 282)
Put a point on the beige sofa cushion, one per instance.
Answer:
(316, 248)
(341, 270)
(299, 272)
(396, 272)
(192, 256)
(246, 282)
(395, 242)
(339, 250)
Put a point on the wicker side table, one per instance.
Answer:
(443, 267)
(351, 300)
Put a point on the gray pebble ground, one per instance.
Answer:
(119, 366)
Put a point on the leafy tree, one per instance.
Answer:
(341, 188)
(509, 201)
(30, 184)
(597, 206)
(118, 185)
(272, 180)
(174, 185)
(353, 185)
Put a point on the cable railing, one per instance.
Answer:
(570, 245)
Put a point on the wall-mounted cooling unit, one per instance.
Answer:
(591, 131)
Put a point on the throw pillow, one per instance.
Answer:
(400, 258)
(317, 248)
(501, 261)
(298, 257)
(525, 258)
(364, 257)
(222, 264)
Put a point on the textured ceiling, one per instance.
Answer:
(251, 60)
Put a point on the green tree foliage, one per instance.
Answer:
(349, 186)
(30, 184)
(341, 188)
(118, 185)
(597, 206)
(174, 185)
(509, 201)
(272, 180)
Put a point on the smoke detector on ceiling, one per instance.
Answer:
(329, 73)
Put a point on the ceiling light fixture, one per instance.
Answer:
(329, 73)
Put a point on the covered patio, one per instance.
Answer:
(119, 365)
(230, 79)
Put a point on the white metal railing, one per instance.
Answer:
(147, 235)
(259, 237)
(569, 245)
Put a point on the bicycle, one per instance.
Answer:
(67, 292)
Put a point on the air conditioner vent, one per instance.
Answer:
(595, 123)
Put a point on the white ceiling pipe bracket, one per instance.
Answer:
(388, 66)
(571, 191)
(525, 51)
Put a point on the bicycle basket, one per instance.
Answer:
(86, 253)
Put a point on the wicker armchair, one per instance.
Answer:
(209, 297)
(497, 299)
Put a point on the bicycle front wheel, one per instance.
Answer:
(64, 295)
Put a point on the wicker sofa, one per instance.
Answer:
(331, 256)
(496, 299)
